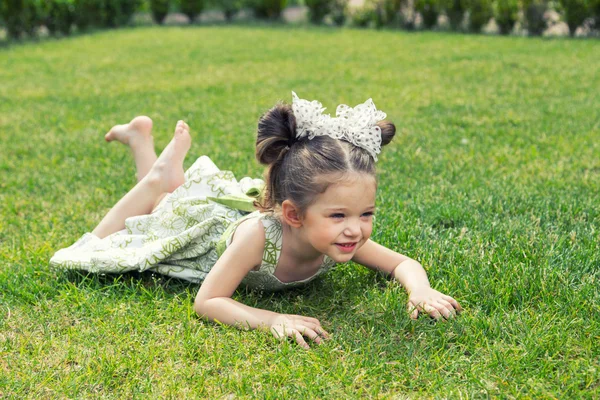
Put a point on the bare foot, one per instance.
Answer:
(138, 130)
(167, 171)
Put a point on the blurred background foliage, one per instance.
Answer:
(25, 18)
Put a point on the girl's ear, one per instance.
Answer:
(291, 214)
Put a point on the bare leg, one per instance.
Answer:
(165, 176)
(137, 134)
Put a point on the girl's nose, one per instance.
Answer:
(352, 230)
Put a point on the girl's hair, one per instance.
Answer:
(299, 169)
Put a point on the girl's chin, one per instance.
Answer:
(342, 257)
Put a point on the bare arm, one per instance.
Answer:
(214, 301)
(412, 276)
(402, 268)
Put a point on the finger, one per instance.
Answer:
(317, 328)
(414, 311)
(442, 310)
(311, 334)
(448, 306)
(315, 325)
(432, 311)
(299, 339)
(454, 303)
(322, 332)
(279, 335)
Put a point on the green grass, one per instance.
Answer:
(492, 183)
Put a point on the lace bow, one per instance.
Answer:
(355, 125)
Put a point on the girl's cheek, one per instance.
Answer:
(368, 231)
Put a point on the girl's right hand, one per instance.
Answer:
(297, 326)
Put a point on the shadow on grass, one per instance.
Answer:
(128, 282)
(340, 289)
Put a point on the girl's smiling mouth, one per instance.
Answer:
(346, 247)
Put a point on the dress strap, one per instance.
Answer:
(273, 239)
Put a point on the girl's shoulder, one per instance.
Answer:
(249, 236)
(248, 227)
(265, 226)
(257, 235)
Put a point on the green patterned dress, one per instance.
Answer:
(186, 233)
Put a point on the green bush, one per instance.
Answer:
(20, 16)
(382, 12)
(429, 10)
(126, 11)
(59, 15)
(407, 21)
(24, 16)
(103, 13)
(32, 17)
(455, 11)
(364, 15)
(110, 13)
(595, 7)
(87, 13)
(191, 8)
(11, 12)
(480, 13)
(534, 11)
(391, 10)
(159, 10)
(506, 13)
(576, 11)
(318, 9)
(339, 11)
(229, 7)
(270, 9)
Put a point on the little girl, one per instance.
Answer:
(315, 210)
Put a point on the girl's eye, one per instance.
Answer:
(368, 214)
(338, 215)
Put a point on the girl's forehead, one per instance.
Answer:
(347, 179)
(359, 191)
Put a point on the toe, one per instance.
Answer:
(181, 127)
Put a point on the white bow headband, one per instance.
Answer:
(356, 125)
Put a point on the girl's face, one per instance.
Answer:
(340, 220)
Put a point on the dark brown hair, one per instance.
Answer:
(297, 167)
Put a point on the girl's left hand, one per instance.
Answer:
(432, 302)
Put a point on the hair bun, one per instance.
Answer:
(276, 133)
(388, 131)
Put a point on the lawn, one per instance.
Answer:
(492, 183)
